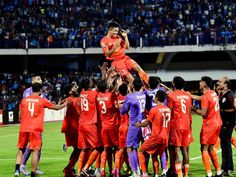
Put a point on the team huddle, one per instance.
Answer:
(125, 119)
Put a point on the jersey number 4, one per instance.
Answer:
(31, 108)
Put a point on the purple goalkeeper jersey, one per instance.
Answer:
(134, 104)
(29, 92)
(150, 97)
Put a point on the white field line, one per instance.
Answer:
(3, 136)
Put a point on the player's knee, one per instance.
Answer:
(100, 149)
(22, 150)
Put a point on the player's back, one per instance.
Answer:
(32, 113)
(180, 103)
(161, 121)
(109, 114)
(135, 105)
(210, 101)
(124, 119)
(88, 107)
(72, 116)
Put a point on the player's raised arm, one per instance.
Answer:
(125, 35)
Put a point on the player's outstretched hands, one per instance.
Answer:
(104, 67)
(138, 124)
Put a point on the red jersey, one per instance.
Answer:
(109, 114)
(32, 113)
(107, 43)
(160, 117)
(210, 102)
(88, 107)
(70, 122)
(124, 119)
(180, 103)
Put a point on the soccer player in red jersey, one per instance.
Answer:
(211, 126)
(88, 130)
(159, 116)
(70, 126)
(180, 104)
(109, 116)
(123, 129)
(114, 48)
(31, 126)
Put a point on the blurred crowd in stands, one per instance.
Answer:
(66, 23)
(12, 86)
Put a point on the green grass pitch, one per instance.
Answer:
(54, 159)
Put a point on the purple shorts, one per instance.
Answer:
(133, 137)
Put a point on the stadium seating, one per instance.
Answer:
(66, 23)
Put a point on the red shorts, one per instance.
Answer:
(71, 138)
(88, 136)
(124, 65)
(178, 137)
(110, 136)
(122, 136)
(33, 138)
(209, 134)
(152, 146)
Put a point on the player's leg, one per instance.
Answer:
(68, 170)
(118, 158)
(233, 141)
(184, 151)
(34, 162)
(206, 159)
(155, 164)
(23, 140)
(171, 170)
(133, 160)
(25, 158)
(178, 163)
(35, 142)
(132, 143)
(19, 155)
(164, 162)
(142, 162)
(103, 162)
(214, 159)
(97, 166)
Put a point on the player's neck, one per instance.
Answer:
(205, 90)
(36, 93)
(160, 103)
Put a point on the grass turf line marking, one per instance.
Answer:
(3, 136)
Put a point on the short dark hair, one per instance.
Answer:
(161, 96)
(207, 80)
(123, 89)
(137, 84)
(68, 88)
(179, 82)
(228, 83)
(113, 24)
(154, 81)
(102, 86)
(85, 84)
(36, 87)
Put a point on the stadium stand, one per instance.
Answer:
(66, 23)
